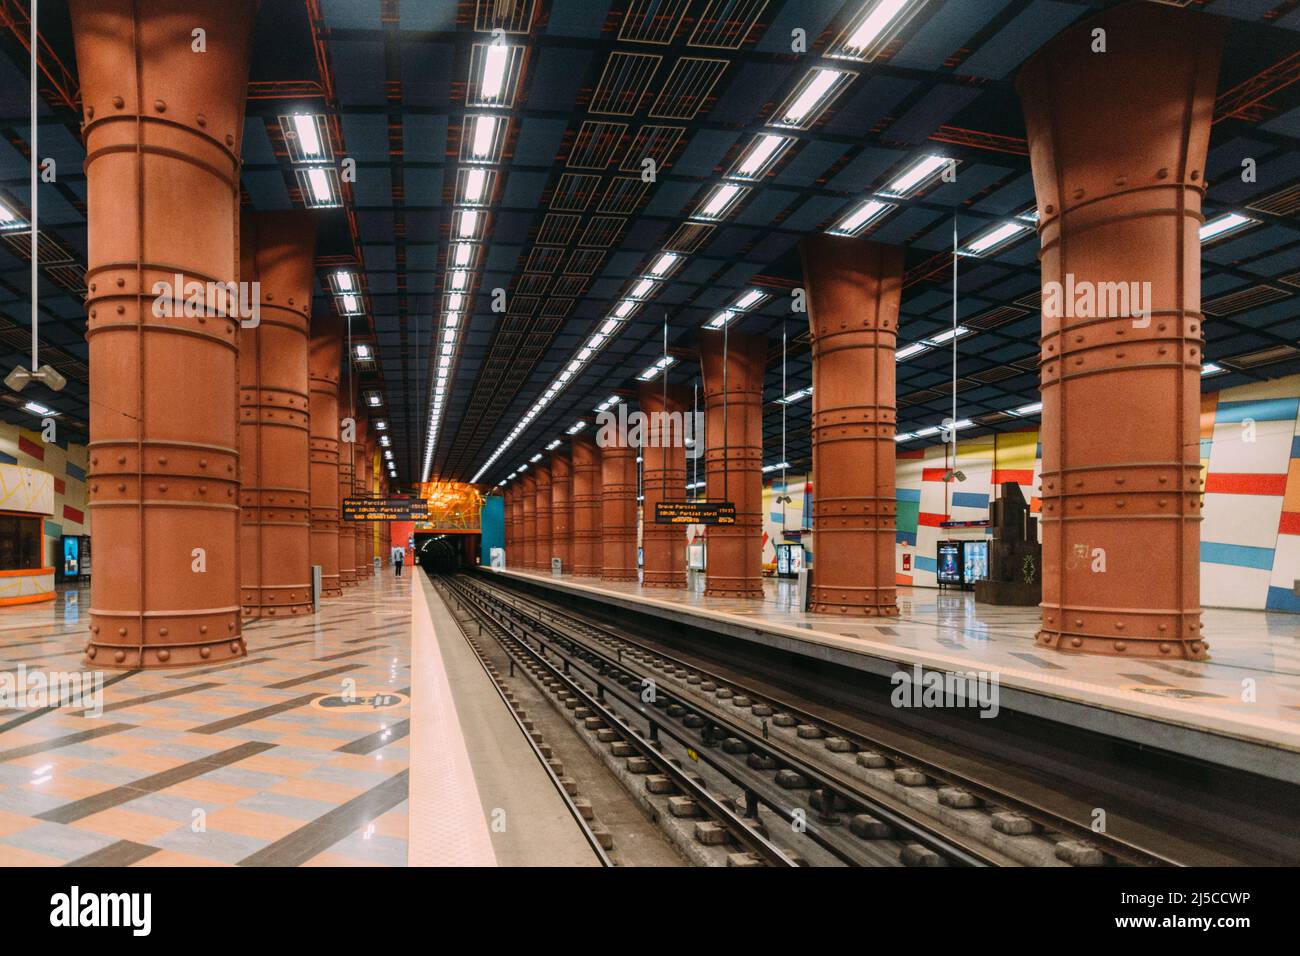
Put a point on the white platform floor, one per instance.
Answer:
(1248, 691)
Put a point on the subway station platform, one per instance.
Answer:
(1241, 709)
(262, 761)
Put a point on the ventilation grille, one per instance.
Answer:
(999, 373)
(725, 24)
(532, 284)
(689, 237)
(574, 192)
(585, 262)
(557, 229)
(995, 317)
(1033, 301)
(570, 285)
(1277, 353)
(687, 87)
(624, 195)
(603, 231)
(544, 260)
(523, 305)
(652, 142)
(557, 308)
(1284, 202)
(1242, 300)
(509, 16)
(623, 82)
(596, 144)
(652, 21)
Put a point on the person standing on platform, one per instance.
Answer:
(399, 557)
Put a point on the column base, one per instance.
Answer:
(734, 592)
(618, 577)
(156, 657)
(1124, 647)
(853, 610)
(672, 583)
(333, 592)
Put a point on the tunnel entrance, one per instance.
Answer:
(446, 553)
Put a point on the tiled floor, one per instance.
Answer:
(228, 764)
(1250, 689)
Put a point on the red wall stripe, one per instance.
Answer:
(902, 578)
(933, 474)
(931, 520)
(1230, 484)
(1021, 476)
(72, 514)
(31, 448)
(1290, 523)
(910, 453)
(59, 486)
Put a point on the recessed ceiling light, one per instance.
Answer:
(861, 217)
(1224, 225)
(995, 238)
(718, 201)
(917, 174)
(308, 139)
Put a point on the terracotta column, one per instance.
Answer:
(734, 467)
(587, 546)
(528, 511)
(853, 291)
(663, 478)
(162, 132)
(618, 513)
(542, 474)
(508, 509)
(1118, 157)
(276, 251)
(326, 352)
(347, 454)
(562, 509)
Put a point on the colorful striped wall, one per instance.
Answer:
(67, 463)
(1250, 458)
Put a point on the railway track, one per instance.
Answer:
(622, 683)
(831, 791)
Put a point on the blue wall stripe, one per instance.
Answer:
(907, 494)
(1237, 555)
(1295, 447)
(1206, 445)
(8, 459)
(74, 471)
(969, 499)
(925, 564)
(1281, 599)
(905, 537)
(53, 530)
(1261, 410)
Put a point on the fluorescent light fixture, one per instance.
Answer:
(320, 186)
(664, 264)
(907, 351)
(1211, 368)
(451, 320)
(761, 152)
(776, 467)
(717, 202)
(653, 371)
(750, 299)
(796, 396)
(609, 326)
(494, 71)
(537, 457)
(813, 91)
(1029, 215)
(468, 228)
(963, 423)
(642, 289)
(948, 335)
(860, 218)
(926, 432)
(904, 436)
(36, 408)
(459, 280)
(994, 238)
(374, 400)
(575, 428)
(388, 454)
(1224, 225)
(475, 185)
(485, 133)
(608, 403)
(7, 217)
(351, 304)
(876, 24)
(381, 425)
(344, 280)
(308, 140)
(721, 319)
(553, 445)
(362, 351)
(385, 440)
(624, 308)
(1031, 409)
(916, 175)
(464, 251)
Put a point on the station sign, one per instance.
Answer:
(385, 509)
(695, 512)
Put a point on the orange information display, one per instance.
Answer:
(452, 506)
